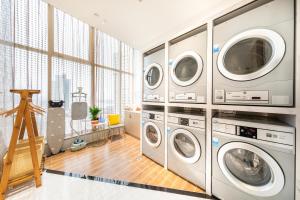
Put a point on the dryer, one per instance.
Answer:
(154, 86)
(253, 59)
(252, 159)
(187, 72)
(186, 147)
(153, 137)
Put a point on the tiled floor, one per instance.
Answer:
(60, 187)
(120, 160)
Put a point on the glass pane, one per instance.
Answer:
(108, 91)
(184, 145)
(153, 76)
(151, 134)
(248, 56)
(248, 167)
(186, 69)
(71, 36)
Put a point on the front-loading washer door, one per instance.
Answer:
(251, 54)
(186, 68)
(250, 169)
(185, 146)
(152, 134)
(153, 75)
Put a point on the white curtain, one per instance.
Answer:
(70, 65)
(23, 61)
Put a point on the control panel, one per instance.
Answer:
(241, 96)
(153, 116)
(247, 96)
(185, 121)
(255, 133)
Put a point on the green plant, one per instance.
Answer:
(94, 111)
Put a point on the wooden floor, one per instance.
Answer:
(120, 160)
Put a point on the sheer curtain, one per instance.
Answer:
(107, 60)
(23, 55)
(115, 72)
(70, 65)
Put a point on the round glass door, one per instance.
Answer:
(251, 54)
(153, 75)
(250, 169)
(185, 146)
(186, 68)
(152, 134)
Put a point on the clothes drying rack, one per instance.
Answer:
(25, 119)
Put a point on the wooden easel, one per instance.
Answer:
(25, 119)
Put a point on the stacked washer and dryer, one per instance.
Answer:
(153, 120)
(186, 148)
(253, 158)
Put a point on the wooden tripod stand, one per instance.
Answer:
(25, 119)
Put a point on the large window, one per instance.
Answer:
(26, 59)
(108, 90)
(107, 50)
(23, 55)
(71, 36)
(67, 77)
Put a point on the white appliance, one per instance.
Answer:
(187, 73)
(252, 159)
(132, 123)
(253, 61)
(154, 86)
(153, 139)
(186, 146)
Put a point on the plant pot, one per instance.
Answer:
(94, 122)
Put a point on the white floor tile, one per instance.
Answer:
(58, 187)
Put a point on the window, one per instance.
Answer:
(23, 56)
(67, 76)
(31, 72)
(107, 50)
(71, 36)
(71, 68)
(31, 23)
(108, 90)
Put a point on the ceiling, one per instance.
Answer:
(142, 23)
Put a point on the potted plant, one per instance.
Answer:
(94, 112)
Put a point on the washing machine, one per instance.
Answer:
(153, 137)
(253, 57)
(154, 86)
(186, 147)
(187, 72)
(252, 159)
